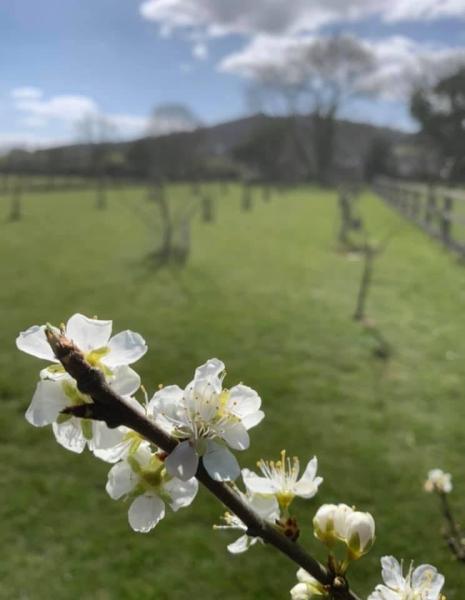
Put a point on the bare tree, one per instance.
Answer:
(97, 130)
(311, 85)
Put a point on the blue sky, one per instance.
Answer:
(63, 58)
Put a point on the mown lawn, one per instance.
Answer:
(267, 292)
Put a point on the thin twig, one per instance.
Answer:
(115, 411)
(453, 535)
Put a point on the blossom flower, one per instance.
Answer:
(143, 479)
(307, 588)
(341, 522)
(266, 508)
(92, 337)
(56, 390)
(422, 583)
(281, 479)
(438, 481)
(207, 419)
(330, 522)
(53, 395)
(360, 533)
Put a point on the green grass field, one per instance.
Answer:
(268, 293)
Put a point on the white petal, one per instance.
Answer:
(88, 334)
(256, 484)
(341, 515)
(253, 419)
(383, 593)
(47, 402)
(125, 381)
(166, 402)
(235, 435)
(104, 438)
(240, 545)
(182, 493)
(392, 572)
(143, 454)
(308, 484)
(307, 488)
(125, 348)
(266, 507)
(182, 462)
(145, 512)
(213, 370)
(304, 577)
(220, 463)
(69, 435)
(121, 450)
(113, 454)
(243, 400)
(33, 341)
(121, 480)
(427, 577)
(301, 592)
(54, 373)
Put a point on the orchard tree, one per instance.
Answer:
(311, 85)
(440, 110)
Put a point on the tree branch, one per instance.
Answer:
(115, 411)
(453, 535)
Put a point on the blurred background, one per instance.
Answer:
(278, 184)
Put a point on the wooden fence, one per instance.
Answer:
(31, 185)
(439, 211)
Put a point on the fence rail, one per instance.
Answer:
(438, 210)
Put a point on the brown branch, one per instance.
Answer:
(115, 411)
(453, 534)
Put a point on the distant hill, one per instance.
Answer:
(208, 150)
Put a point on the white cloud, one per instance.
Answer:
(399, 63)
(65, 111)
(67, 108)
(129, 124)
(26, 93)
(278, 17)
(402, 64)
(200, 50)
(428, 10)
(27, 141)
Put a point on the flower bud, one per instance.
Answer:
(323, 523)
(360, 533)
(438, 481)
(340, 521)
(307, 588)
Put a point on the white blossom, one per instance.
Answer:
(92, 337)
(341, 522)
(207, 419)
(360, 533)
(422, 583)
(142, 478)
(56, 390)
(307, 588)
(53, 395)
(438, 481)
(281, 479)
(266, 508)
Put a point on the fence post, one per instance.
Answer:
(430, 206)
(446, 219)
(15, 206)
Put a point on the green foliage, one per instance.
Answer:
(267, 293)
(441, 114)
